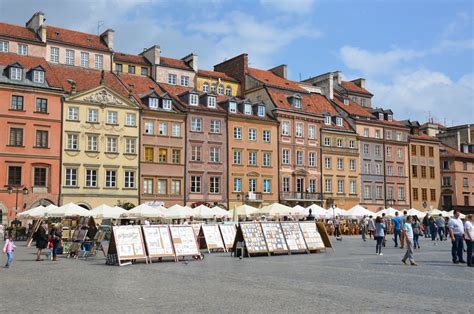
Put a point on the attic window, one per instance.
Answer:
(297, 102)
(211, 102)
(261, 111)
(327, 120)
(248, 109)
(205, 87)
(153, 103)
(193, 100)
(232, 107)
(380, 116)
(390, 117)
(346, 101)
(338, 121)
(38, 76)
(167, 104)
(16, 73)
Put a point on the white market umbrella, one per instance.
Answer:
(244, 210)
(389, 212)
(145, 211)
(107, 212)
(69, 210)
(179, 212)
(277, 209)
(330, 213)
(203, 212)
(451, 214)
(299, 210)
(220, 212)
(435, 212)
(316, 211)
(416, 212)
(27, 213)
(359, 211)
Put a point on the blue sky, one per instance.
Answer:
(417, 56)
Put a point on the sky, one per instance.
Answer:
(417, 56)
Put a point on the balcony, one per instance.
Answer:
(300, 196)
(253, 197)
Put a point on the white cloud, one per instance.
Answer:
(289, 6)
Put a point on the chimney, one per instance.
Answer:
(281, 71)
(37, 24)
(337, 77)
(108, 38)
(359, 82)
(331, 86)
(152, 54)
(192, 60)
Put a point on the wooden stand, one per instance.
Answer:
(324, 235)
(312, 238)
(210, 238)
(127, 243)
(250, 239)
(228, 235)
(294, 237)
(158, 242)
(274, 237)
(184, 241)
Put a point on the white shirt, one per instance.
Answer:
(469, 229)
(456, 225)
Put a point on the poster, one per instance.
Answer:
(311, 235)
(212, 236)
(196, 229)
(274, 236)
(294, 236)
(184, 241)
(129, 242)
(228, 235)
(253, 236)
(158, 241)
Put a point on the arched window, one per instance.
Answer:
(228, 90)
(221, 90)
(205, 87)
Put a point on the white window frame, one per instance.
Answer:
(70, 57)
(312, 132)
(84, 59)
(91, 178)
(215, 127)
(312, 159)
(166, 104)
(72, 141)
(149, 126)
(38, 76)
(92, 143)
(266, 136)
(99, 62)
(130, 145)
(130, 119)
(111, 144)
(112, 117)
(232, 107)
(215, 154)
(252, 161)
(110, 178)
(176, 130)
(237, 133)
(54, 55)
(299, 129)
(285, 157)
(252, 134)
(70, 177)
(4, 46)
(153, 103)
(92, 115)
(129, 179)
(193, 99)
(196, 124)
(267, 185)
(237, 185)
(16, 73)
(267, 159)
(172, 79)
(22, 49)
(285, 128)
(163, 128)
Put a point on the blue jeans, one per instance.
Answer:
(469, 259)
(416, 244)
(457, 248)
(9, 259)
(396, 233)
(441, 233)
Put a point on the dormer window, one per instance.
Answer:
(233, 107)
(38, 76)
(390, 117)
(167, 104)
(297, 103)
(261, 111)
(153, 103)
(338, 121)
(228, 91)
(248, 109)
(211, 102)
(16, 73)
(380, 116)
(221, 90)
(327, 120)
(346, 101)
(205, 87)
(213, 88)
(193, 99)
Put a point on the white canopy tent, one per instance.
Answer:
(359, 211)
(333, 212)
(277, 209)
(244, 210)
(145, 211)
(435, 212)
(203, 212)
(220, 212)
(316, 211)
(416, 212)
(27, 213)
(451, 214)
(107, 212)
(69, 210)
(389, 212)
(179, 212)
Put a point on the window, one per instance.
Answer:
(378, 169)
(237, 133)
(93, 115)
(379, 194)
(388, 135)
(299, 130)
(184, 80)
(23, 49)
(196, 124)
(465, 182)
(195, 184)
(252, 134)
(299, 158)
(377, 150)
(92, 141)
(351, 144)
(446, 181)
(399, 136)
(163, 128)
(431, 151)
(389, 170)
(41, 139)
(415, 194)
(252, 159)
(340, 164)
(366, 132)
(285, 128)
(327, 141)
(220, 91)
(312, 186)
(267, 159)
(381, 116)
(69, 57)
(161, 186)
(466, 200)
(54, 55)
(400, 171)
(40, 177)
(339, 142)
(261, 111)
(99, 63)
(432, 172)
(228, 91)
(3, 46)
(390, 117)
(147, 186)
(91, 178)
(232, 107)
(286, 184)
(14, 175)
(297, 102)
(433, 195)
(163, 155)
(195, 153)
(340, 186)
(327, 120)
(130, 119)
(237, 185)
(72, 141)
(252, 185)
(130, 145)
(327, 186)
(237, 157)
(214, 185)
(213, 88)
(414, 171)
(327, 162)
(352, 187)
(401, 193)
(367, 192)
(176, 156)
(311, 132)
(422, 150)
(389, 152)
(248, 109)
(38, 76)
(367, 168)
(110, 178)
(148, 127)
(118, 68)
(16, 73)
(413, 150)
(366, 149)
(285, 157)
(352, 164)
(153, 103)
(172, 79)
(215, 154)
(400, 153)
(176, 130)
(464, 165)
(424, 194)
(166, 104)
(445, 165)
(112, 117)
(144, 71)
(205, 87)
(176, 187)
(377, 133)
(312, 159)
(149, 154)
(215, 127)
(111, 144)
(211, 102)
(129, 179)
(193, 100)
(423, 171)
(84, 59)
(16, 137)
(71, 177)
(17, 103)
(267, 186)
(338, 121)
(266, 136)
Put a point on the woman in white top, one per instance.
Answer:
(469, 238)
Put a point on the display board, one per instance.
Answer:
(294, 236)
(158, 241)
(196, 229)
(274, 237)
(324, 235)
(184, 241)
(311, 236)
(127, 243)
(211, 237)
(228, 235)
(251, 233)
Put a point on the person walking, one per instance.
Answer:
(363, 227)
(402, 238)
(440, 223)
(416, 231)
(9, 249)
(469, 238)
(408, 233)
(379, 234)
(456, 231)
(397, 223)
(337, 227)
(385, 223)
(371, 227)
(433, 229)
(56, 234)
(426, 226)
(41, 239)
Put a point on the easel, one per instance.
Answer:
(273, 234)
(228, 242)
(126, 242)
(177, 237)
(324, 235)
(204, 237)
(158, 237)
(292, 232)
(258, 244)
(310, 233)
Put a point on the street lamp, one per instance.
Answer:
(17, 190)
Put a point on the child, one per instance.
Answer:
(8, 249)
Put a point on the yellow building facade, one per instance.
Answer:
(131, 64)
(216, 82)
(100, 154)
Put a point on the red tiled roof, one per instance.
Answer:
(423, 136)
(139, 85)
(217, 75)
(351, 86)
(440, 126)
(75, 38)
(270, 79)
(129, 58)
(87, 79)
(174, 63)
(448, 151)
(352, 108)
(16, 31)
(31, 62)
